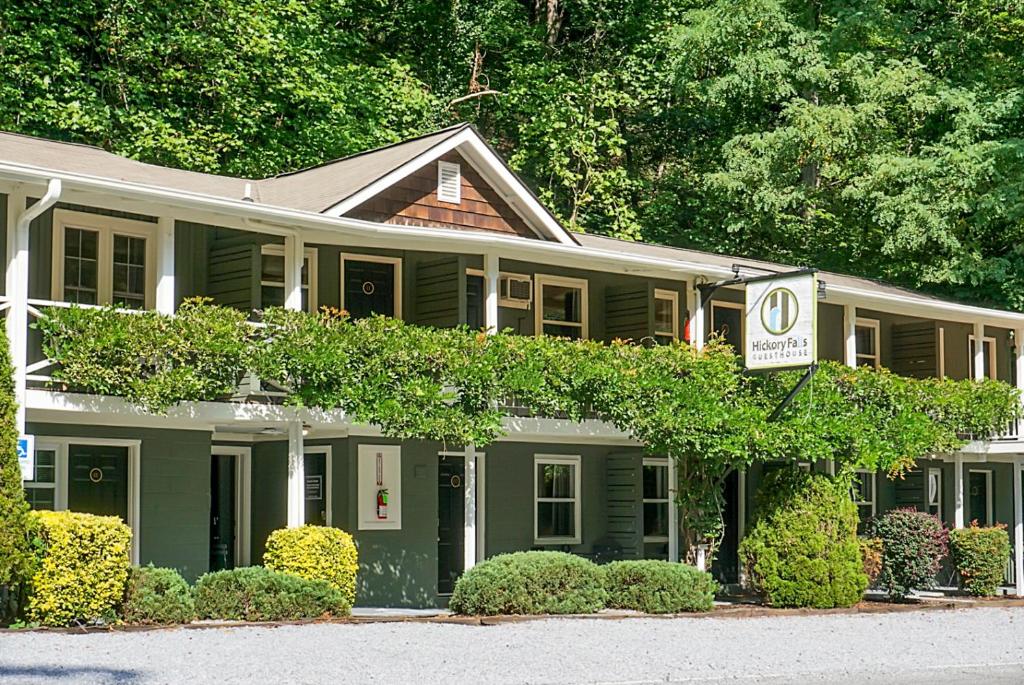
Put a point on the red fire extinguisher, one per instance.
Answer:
(382, 504)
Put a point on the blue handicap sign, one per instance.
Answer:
(27, 457)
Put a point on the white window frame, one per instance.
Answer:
(927, 484)
(442, 196)
(989, 343)
(243, 499)
(581, 284)
(989, 510)
(61, 446)
(876, 336)
(379, 259)
(107, 227)
(667, 501)
(868, 476)
(504, 301)
(722, 304)
(673, 297)
(310, 256)
(576, 461)
(328, 452)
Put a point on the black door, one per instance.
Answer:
(726, 565)
(315, 473)
(98, 482)
(222, 512)
(369, 288)
(451, 517)
(475, 302)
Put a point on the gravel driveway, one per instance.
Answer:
(961, 646)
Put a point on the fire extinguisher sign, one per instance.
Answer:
(380, 487)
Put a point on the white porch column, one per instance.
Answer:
(697, 334)
(492, 268)
(673, 511)
(741, 519)
(165, 265)
(1018, 341)
(294, 252)
(296, 476)
(1018, 528)
(958, 490)
(469, 527)
(979, 351)
(850, 335)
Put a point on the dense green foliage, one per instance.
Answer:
(315, 553)
(802, 549)
(658, 587)
(254, 593)
(157, 596)
(913, 545)
(881, 138)
(531, 583)
(17, 561)
(448, 385)
(83, 568)
(980, 556)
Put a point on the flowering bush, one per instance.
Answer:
(913, 545)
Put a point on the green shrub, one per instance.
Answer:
(531, 583)
(254, 593)
(980, 555)
(315, 553)
(158, 596)
(802, 550)
(913, 545)
(84, 566)
(658, 587)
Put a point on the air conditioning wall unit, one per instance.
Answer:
(515, 291)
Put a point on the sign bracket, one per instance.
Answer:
(708, 289)
(788, 399)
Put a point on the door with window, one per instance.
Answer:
(98, 480)
(223, 524)
(451, 522)
(316, 485)
(370, 287)
(979, 497)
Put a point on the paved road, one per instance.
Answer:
(928, 647)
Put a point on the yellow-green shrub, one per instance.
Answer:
(83, 569)
(315, 553)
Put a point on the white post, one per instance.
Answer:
(1018, 529)
(850, 335)
(296, 476)
(1018, 341)
(165, 265)
(294, 253)
(958, 488)
(673, 511)
(979, 351)
(491, 272)
(741, 519)
(697, 321)
(469, 527)
(702, 557)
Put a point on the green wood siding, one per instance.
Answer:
(233, 277)
(440, 292)
(629, 311)
(625, 504)
(915, 349)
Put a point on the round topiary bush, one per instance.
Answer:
(531, 583)
(157, 596)
(980, 556)
(913, 545)
(658, 587)
(315, 553)
(254, 593)
(802, 549)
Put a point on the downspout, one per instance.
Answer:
(17, 292)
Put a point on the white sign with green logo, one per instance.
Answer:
(781, 322)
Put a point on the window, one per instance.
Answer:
(272, 277)
(989, 353)
(562, 306)
(727, 323)
(371, 285)
(556, 500)
(102, 260)
(863, 493)
(979, 498)
(868, 335)
(934, 492)
(449, 182)
(41, 490)
(656, 500)
(666, 315)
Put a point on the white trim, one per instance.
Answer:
(310, 258)
(660, 462)
(576, 462)
(989, 511)
(165, 295)
(379, 259)
(876, 336)
(296, 483)
(673, 297)
(725, 304)
(581, 284)
(868, 476)
(328, 453)
(443, 196)
(927, 491)
(989, 347)
(1018, 528)
(243, 499)
(106, 227)
(942, 352)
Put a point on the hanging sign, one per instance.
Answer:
(781, 321)
(27, 456)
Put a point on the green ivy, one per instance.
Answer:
(450, 385)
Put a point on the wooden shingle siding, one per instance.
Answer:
(440, 299)
(413, 201)
(915, 350)
(625, 504)
(629, 312)
(233, 276)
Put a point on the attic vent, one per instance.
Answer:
(449, 185)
